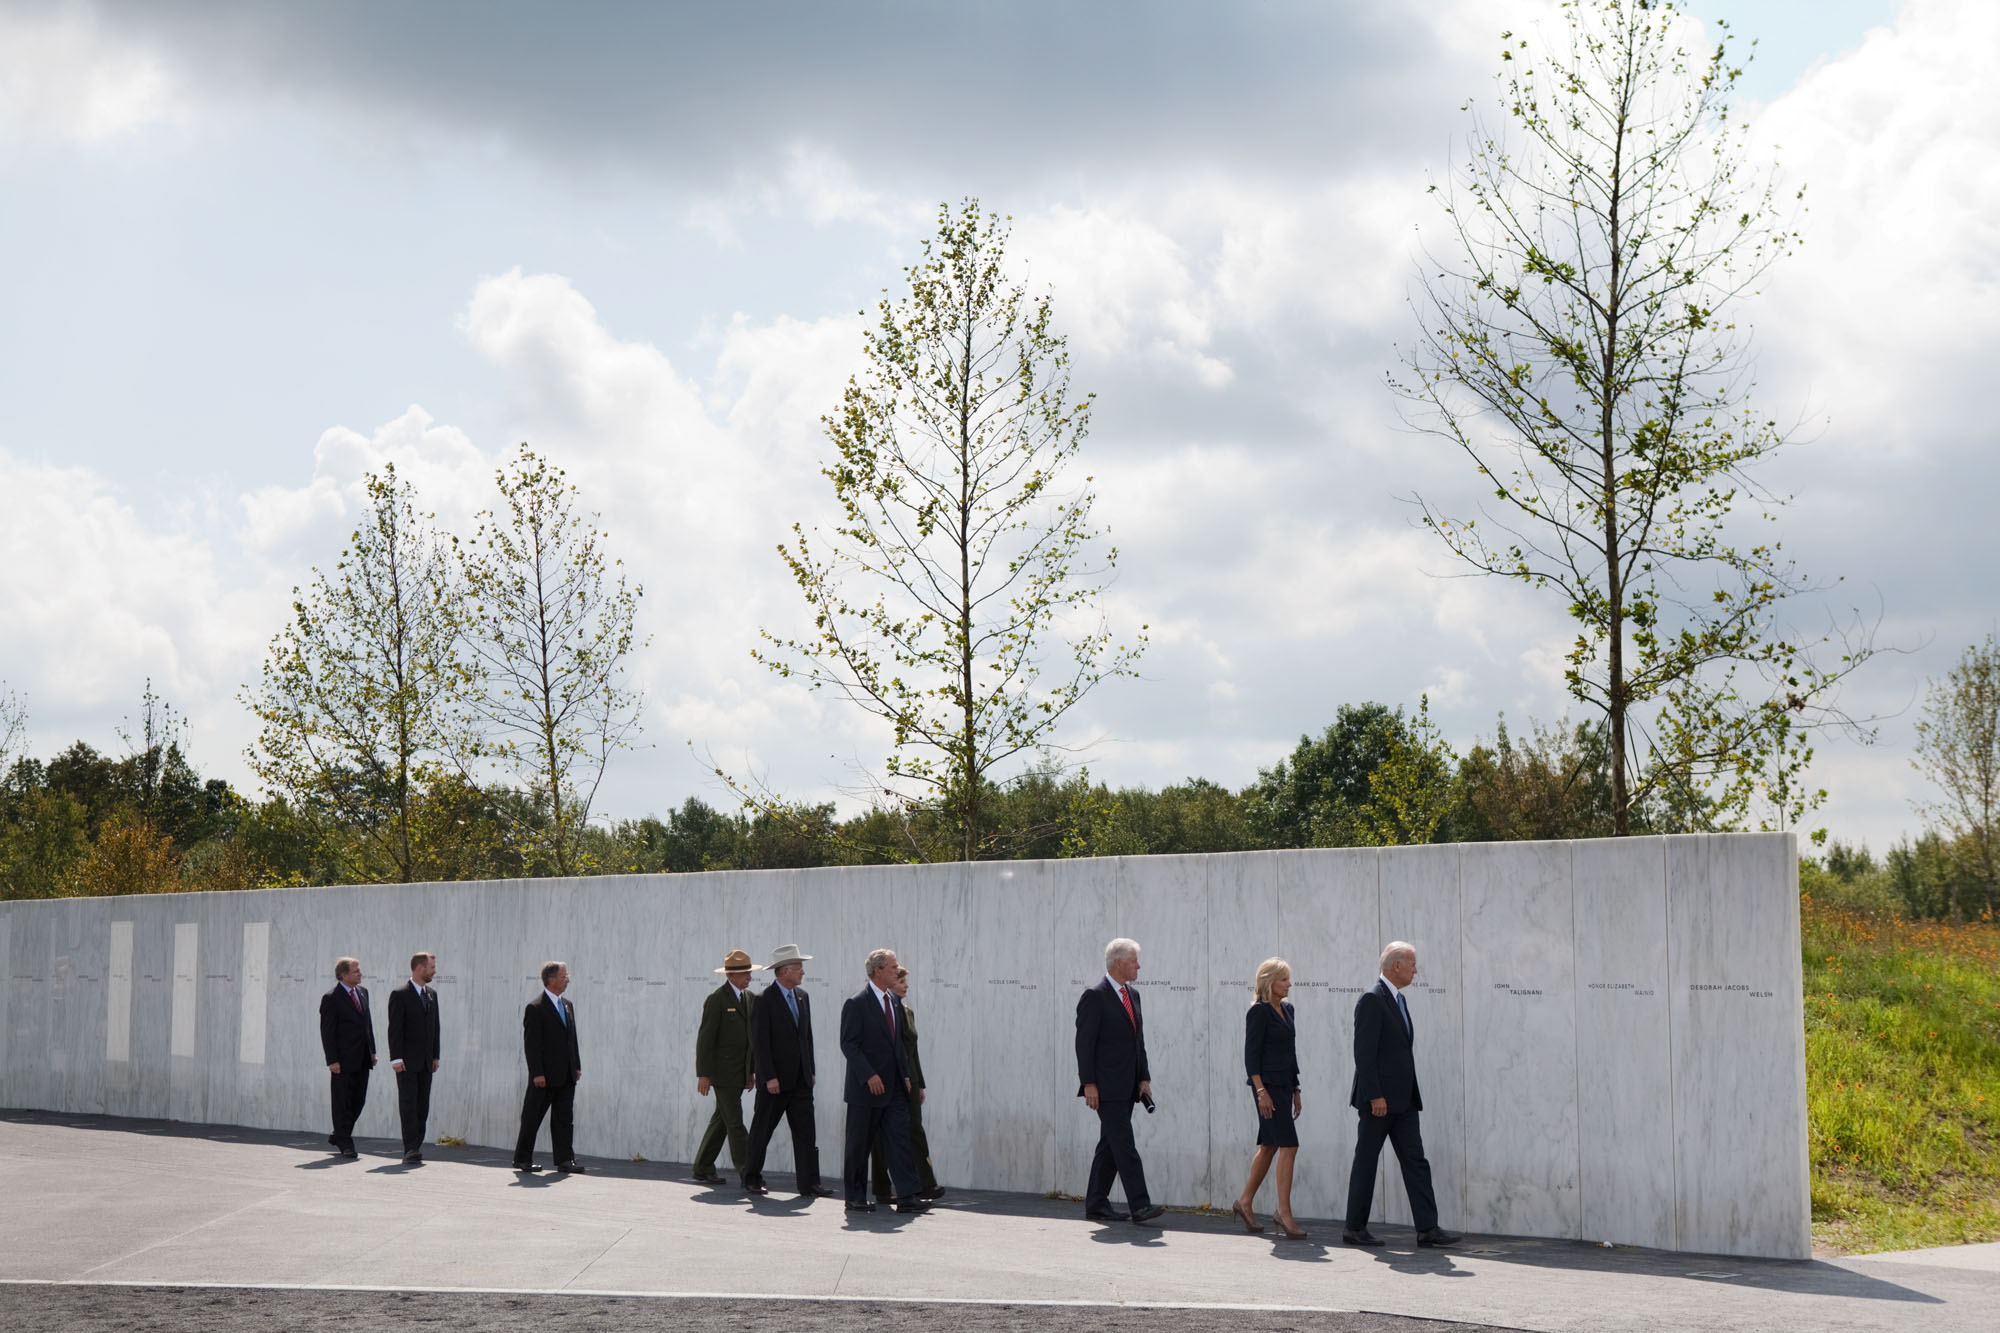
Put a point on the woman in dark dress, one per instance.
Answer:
(1271, 1059)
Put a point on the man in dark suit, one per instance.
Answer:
(548, 1038)
(1112, 1074)
(722, 1061)
(920, 1145)
(414, 1041)
(781, 1043)
(878, 1087)
(1385, 1093)
(347, 1038)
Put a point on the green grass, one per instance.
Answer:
(1902, 1080)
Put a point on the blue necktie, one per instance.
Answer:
(561, 1017)
(792, 1003)
(1404, 1006)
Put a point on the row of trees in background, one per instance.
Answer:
(85, 823)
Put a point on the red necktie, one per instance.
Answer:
(355, 996)
(1126, 997)
(888, 1015)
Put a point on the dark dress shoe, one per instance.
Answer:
(1149, 1212)
(349, 1155)
(413, 1159)
(1106, 1215)
(709, 1178)
(863, 1207)
(526, 1168)
(570, 1168)
(934, 1192)
(912, 1206)
(817, 1192)
(1438, 1236)
(1361, 1237)
(756, 1187)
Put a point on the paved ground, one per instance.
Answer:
(139, 1224)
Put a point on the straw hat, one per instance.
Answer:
(737, 961)
(787, 953)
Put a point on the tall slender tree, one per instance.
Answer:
(1958, 749)
(365, 696)
(1580, 346)
(958, 596)
(552, 625)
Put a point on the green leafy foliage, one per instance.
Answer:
(1579, 347)
(956, 599)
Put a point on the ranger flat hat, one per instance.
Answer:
(787, 953)
(737, 961)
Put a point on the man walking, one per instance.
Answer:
(781, 1044)
(920, 1144)
(722, 1061)
(548, 1039)
(414, 1042)
(878, 1087)
(1385, 1093)
(1111, 1075)
(347, 1039)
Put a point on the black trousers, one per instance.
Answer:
(726, 1123)
(1117, 1155)
(350, 1094)
(920, 1150)
(413, 1100)
(559, 1105)
(1400, 1129)
(795, 1106)
(889, 1125)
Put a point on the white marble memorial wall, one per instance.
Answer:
(1609, 1034)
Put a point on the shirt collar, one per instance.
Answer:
(554, 998)
(738, 991)
(880, 994)
(1116, 984)
(1394, 989)
(418, 984)
(788, 990)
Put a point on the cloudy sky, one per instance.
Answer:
(254, 251)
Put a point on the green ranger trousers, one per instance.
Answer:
(727, 1122)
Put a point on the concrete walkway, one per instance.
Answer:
(96, 1201)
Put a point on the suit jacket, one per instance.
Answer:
(346, 1034)
(871, 1049)
(1385, 1058)
(1110, 1048)
(782, 1050)
(910, 1044)
(549, 1043)
(1270, 1047)
(414, 1033)
(722, 1044)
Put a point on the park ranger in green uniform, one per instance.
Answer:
(722, 1061)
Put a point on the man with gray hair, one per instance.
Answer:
(1111, 1075)
(878, 1086)
(1385, 1093)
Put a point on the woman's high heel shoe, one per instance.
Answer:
(1290, 1230)
(1246, 1217)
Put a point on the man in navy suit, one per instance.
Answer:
(414, 1038)
(555, 1066)
(781, 1046)
(347, 1039)
(1385, 1093)
(878, 1087)
(1111, 1075)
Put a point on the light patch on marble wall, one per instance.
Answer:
(256, 991)
(187, 940)
(118, 995)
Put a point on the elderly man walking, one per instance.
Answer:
(878, 1086)
(1112, 1075)
(1385, 1093)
